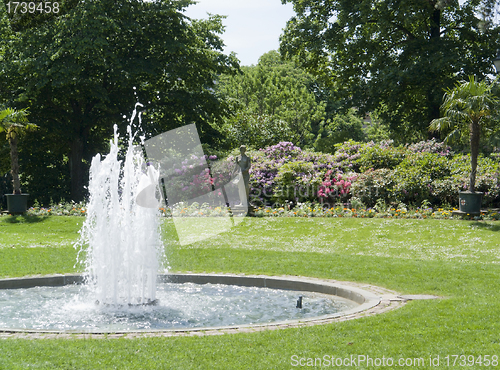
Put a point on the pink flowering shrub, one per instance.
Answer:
(286, 173)
(335, 185)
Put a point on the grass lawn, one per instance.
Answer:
(458, 260)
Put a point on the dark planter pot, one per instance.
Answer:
(470, 202)
(17, 203)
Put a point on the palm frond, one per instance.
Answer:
(440, 124)
(454, 136)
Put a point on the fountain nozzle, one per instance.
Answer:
(299, 302)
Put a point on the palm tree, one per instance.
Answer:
(13, 123)
(467, 109)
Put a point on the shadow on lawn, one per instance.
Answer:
(481, 225)
(28, 219)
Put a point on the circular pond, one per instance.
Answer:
(184, 302)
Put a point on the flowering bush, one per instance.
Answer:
(285, 172)
(360, 157)
(373, 173)
(297, 181)
(430, 146)
(194, 178)
(347, 154)
(410, 174)
(282, 150)
(414, 177)
(335, 186)
(373, 185)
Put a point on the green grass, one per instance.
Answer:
(31, 245)
(458, 260)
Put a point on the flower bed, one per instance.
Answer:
(306, 209)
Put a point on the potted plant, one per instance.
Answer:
(467, 109)
(14, 123)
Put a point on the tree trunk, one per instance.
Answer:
(474, 153)
(434, 36)
(77, 169)
(14, 163)
(435, 23)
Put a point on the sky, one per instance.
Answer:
(253, 27)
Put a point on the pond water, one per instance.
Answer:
(179, 306)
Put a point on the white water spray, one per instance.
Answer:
(121, 239)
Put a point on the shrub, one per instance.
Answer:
(414, 176)
(360, 157)
(284, 172)
(445, 191)
(379, 156)
(373, 185)
(282, 150)
(335, 186)
(347, 154)
(423, 171)
(430, 146)
(297, 181)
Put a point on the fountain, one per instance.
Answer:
(122, 238)
(120, 247)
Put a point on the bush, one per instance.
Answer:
(297, 181)
(373, 185)
(426, 171)
(379, 156)
(281, 151)
(347, 154)
(336, 186)
(430, 146)
(286, 173)
(414, 177)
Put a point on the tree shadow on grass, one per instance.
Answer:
(27, 219)
(486, 226)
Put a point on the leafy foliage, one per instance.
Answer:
(379, 156)
(394, 57)
(340, 128)
(77, 74)
(286, 173)
(273, 101)
(369, 174)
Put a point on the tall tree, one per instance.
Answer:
(273, 101)
(392, 56)
(77, 72)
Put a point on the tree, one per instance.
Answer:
(272, 101)
(467, 109)
(77, 73)
(394, 57)
(339, 129)
(14, 123)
